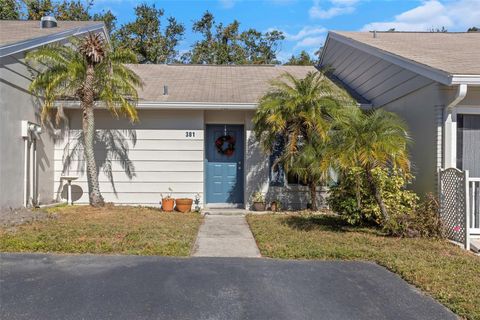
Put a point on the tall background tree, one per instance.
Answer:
(226, 44)
(92, 73)
(36, 9)
(9, 10)
(145, 37)
(302, 59)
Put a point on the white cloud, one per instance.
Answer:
(344, 2)
(305, 32)
(227, 4)
(339, 7)
(455, 16)
(282, 2)
(311, 42)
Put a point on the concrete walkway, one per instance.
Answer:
(225, 236)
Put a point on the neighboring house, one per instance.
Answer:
(26, 175)
(432, 80)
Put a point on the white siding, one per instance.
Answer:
(161, 154)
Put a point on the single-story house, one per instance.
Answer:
(174, 149)
(432, 80)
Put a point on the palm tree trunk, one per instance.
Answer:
(358, 195)
(377, 195)
(313, 195)
(88, 126)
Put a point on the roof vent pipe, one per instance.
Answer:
(165, 90)
(48, 22)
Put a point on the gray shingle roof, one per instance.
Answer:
(13, 31)
(206, 83)
(454, 53)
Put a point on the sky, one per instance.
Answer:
(306, 23)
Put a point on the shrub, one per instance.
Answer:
(352, 198)
(423, 221)
(409, 217)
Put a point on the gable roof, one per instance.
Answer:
(449, 58)
(210, 84)
(19, 35)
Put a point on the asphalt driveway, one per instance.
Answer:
(133, 287)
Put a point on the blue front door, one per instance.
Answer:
(224, 164)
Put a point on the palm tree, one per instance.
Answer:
(297, 112)
(370, 140)
(91, 72)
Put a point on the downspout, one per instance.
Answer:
(25, 173)
(461, 93)
(450, 131)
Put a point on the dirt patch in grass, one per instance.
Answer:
(15, 217)
(448, 273)
(108, 230)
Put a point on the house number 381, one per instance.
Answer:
(189, 134)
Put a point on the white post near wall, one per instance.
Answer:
(467, 209)
(450, 139)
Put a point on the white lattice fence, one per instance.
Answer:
(454, 205)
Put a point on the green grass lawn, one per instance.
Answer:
(108, 230)
(448, 273)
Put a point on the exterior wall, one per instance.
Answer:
(419, 111)
(161, 156)
(16, 104)
(157, 151)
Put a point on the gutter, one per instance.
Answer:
(157, 105)
(461, 93)
(30, 44)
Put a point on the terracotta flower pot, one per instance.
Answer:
(168, 204)
(259, 206)
(184, 204)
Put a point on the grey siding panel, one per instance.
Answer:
(369, 74)
(332, 52)
(401, 90)
(356, 60)
(375, 79)
(16, 104)
(378, 81)
(389, 83)
(341, 57)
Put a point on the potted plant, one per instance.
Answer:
(197, 202)
(275, 205)
(168, 202)
(258, 201)
(183, 204)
